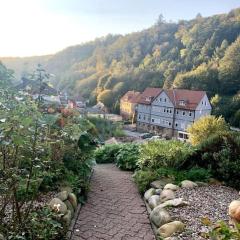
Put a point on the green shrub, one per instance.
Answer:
(221, 154)
(106, 153)
(42, 224)
(193, 174)
(127, 156)
(168, 154)
(143, 178)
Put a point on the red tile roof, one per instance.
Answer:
(149, 95)
(131, 96)
(190, 98)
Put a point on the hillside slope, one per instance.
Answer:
(203, 53)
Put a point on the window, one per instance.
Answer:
(139, 116)
(176, 124)
(152, 119)
(164, 110)
(167, 110)
(190, 114)
(183, 113)
(205, 103)
(144, 117)
(180, 135)
(177, 111)
(165, 100)
(202, 102)
(169, 124)
(182, 102)
(170, 111)
(160, 99)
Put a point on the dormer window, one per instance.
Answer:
(182, 103)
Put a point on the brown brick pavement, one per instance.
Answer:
(114, 209)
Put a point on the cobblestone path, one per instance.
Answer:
(114, 209)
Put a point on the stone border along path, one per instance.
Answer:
(114, 209)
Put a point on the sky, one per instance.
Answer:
(39, 27)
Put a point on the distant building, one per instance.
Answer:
(144, 108)
(170, 112)
(49, 95)
(128, 105)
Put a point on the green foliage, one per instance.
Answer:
(42, 225)
(206, 126)
(220, 230)
(202, 53)
(220, 153)
(143, 178)
(106, 128)
(169, 154)
(107, 153)
(127, 156)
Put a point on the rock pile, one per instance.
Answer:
(158, 199)
(65, 204)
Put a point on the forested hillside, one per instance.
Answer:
(203, 53)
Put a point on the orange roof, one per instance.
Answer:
(131, 96)
(189, 98)
(149, 95)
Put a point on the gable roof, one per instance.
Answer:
(191, 98)
(131, 96)
(149, 95)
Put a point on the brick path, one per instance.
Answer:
(114, 209)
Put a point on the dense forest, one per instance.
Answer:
(203, 53)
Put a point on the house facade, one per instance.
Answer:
(144, 108)
(172, 111)
(128, 104)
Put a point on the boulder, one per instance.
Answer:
(171, 186)
(159, 216)
(168, 229)
(58, 206)
(149, 193)
(158, 191)
(67, 218)
(69, 206)
(62, 195)
(154, 201)
(73, 200)
(177, 202)
(66, 188)
(166, 195)
(160, 183)
(188, 184)
(234, 210)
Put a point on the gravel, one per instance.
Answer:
(204, 202)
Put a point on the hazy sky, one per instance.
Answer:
(37, 27)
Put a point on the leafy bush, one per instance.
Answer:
(107, 153)
(143, 178)
(168, 154)
(221, 154)
(205, 127)
(220, 230)
(42, 224)
(127, 156)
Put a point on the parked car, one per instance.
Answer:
(155, 138)
(146, 135)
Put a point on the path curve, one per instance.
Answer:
(114, 209)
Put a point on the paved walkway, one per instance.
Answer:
(114, 209)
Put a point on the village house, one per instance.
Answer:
(128, 105)
(170, 112)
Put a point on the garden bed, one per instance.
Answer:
(208, 202)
